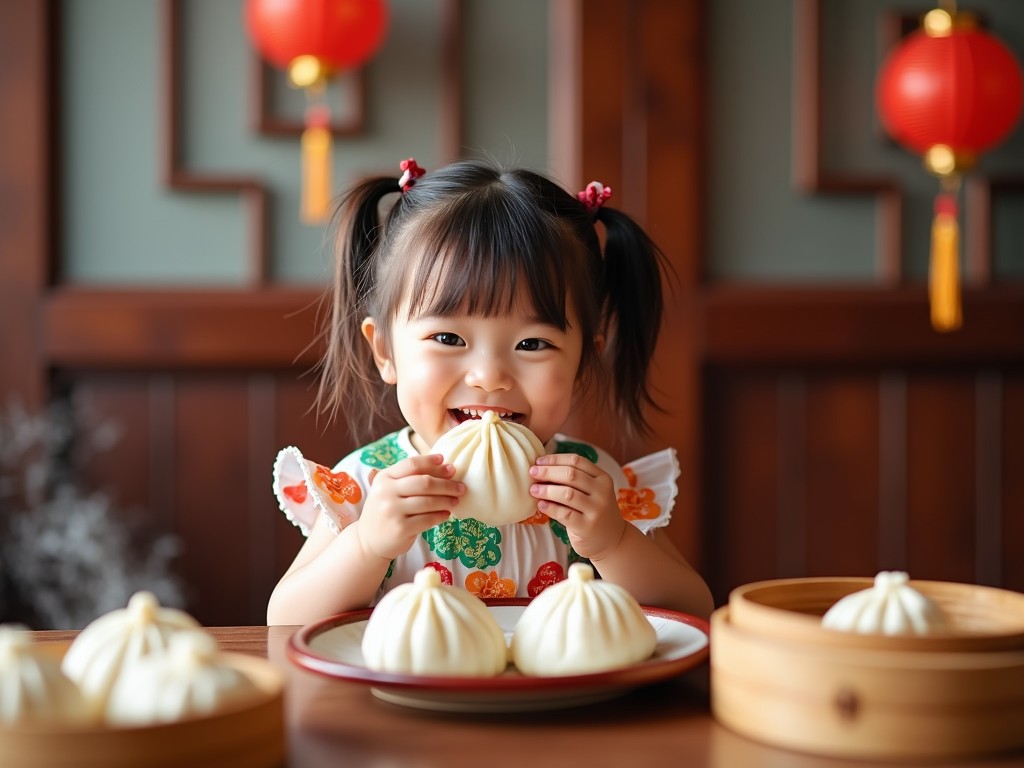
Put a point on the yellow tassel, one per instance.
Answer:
(316, 173)
(944, 277)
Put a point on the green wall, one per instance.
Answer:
(122, 226)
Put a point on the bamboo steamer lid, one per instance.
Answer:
(777, 676)
(982, 618)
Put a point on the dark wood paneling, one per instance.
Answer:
(841, 476)
(832, 325)
(851, 471)
(1011, 488)
(742, 492)
(95, 328)
(25, 196)
(941, 476)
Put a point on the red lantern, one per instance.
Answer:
(949, 92)
(313, 40)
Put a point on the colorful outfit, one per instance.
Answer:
(517, 560)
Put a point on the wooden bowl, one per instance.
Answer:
(778, 677)
(248, 735)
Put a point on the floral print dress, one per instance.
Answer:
(515, 560)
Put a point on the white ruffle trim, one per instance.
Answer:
(290, 469)
(659, 472)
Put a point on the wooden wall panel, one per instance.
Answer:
(847, 472)
(743, 481)
(1009, 468)
(841, 475)
(940, 476)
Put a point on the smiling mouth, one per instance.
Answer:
(466, 414)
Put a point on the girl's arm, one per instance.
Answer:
(331, 573)
(664, 579)
(335, 573)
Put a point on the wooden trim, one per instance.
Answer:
(183, 329)
(565, 107)
(809, 174)
(176, 176)
(350, 121)
(856, 326)
(450, 103)
(26, 223)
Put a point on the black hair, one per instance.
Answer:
(471, 234)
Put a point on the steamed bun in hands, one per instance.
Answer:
(428, 628)
(581, 625)
(890, 607)
(32, 687)
(493, 458)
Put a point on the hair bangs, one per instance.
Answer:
(485, 254)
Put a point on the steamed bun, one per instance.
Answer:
(32, 687)
(97, 655)
(188, 680)
(890, 607)
(429, 628)
(581, 625)
(493, 458)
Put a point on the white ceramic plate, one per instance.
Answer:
(332, 647)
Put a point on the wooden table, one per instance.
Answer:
(337, 723)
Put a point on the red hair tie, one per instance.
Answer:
(594, 195)
(410, 172)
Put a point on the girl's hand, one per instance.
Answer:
(404, 500)
(581, 496)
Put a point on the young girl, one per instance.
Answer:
(483, 289)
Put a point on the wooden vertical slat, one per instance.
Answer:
(1011, 490)
(25, 196)
(841, 421)
(988, 552)
(941, 433)
(791, 499)
(892, 471)
(743, 488)
(211, 481)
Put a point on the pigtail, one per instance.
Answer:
(348, 374)
(633, 309)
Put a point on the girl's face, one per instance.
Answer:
(450, 369)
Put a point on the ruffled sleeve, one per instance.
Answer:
(305, 489)
(650, 493)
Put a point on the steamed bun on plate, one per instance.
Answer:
(98, 654)
(493, 458)
(581, 625)
(33, 690)
(425, 627)
(188, 680)
(890, 607)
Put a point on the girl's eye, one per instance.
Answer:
(532, 345)
(448, 339)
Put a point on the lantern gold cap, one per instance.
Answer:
(307, 71)
(940, 22)
(942, 160)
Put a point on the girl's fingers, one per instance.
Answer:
(431, 464)
(415, 486)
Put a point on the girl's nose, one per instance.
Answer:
(489, 373)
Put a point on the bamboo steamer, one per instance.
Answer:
(779, 677)
(249, 735)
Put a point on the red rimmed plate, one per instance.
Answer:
(332, 647)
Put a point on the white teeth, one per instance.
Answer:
(475, 413)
